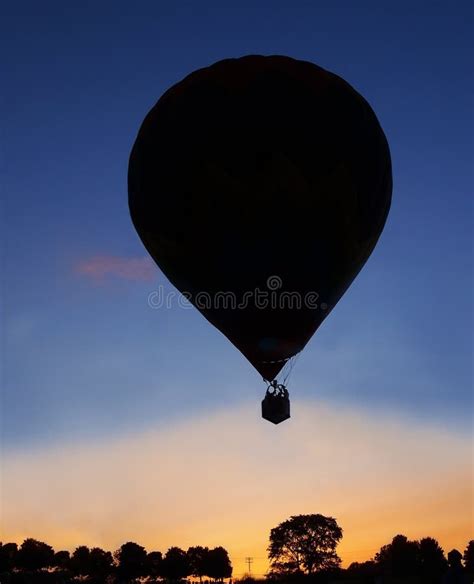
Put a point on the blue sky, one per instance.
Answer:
(87, 358)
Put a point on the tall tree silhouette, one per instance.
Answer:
(468, 557)
(80, 561)
(34, 555)
(131, 561)
(456, 573)
(432, 563)
(198, 558)
(304, 544)
(399, 558)
(100, 564)
(218, 564)
(62, 559)
(363, 571)
(154, 562)
(8, 554)
(175, 565)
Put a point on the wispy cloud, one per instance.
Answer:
(227, 478)
(100, 267)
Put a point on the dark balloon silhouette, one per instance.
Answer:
(261, 174)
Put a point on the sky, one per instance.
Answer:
(95, 378)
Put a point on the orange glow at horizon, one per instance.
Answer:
(208, 482)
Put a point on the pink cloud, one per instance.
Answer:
(103, 266)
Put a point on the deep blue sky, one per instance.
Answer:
(89, 359)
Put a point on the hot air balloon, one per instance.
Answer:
(260, 186)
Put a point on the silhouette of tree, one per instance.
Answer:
(400, 558)
(80, 561)
(217, 565)
(432, 563)
(455, 558)
(62, 559)
(456, 574)
(100, 564)
(131, 561)
(363, 571)
(304, 544)
(175, 565)
(8, 554)
(197, 558)
(95, 563)
(34, 555)
(153, 564)
(468, 557)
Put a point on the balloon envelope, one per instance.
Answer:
(260, 186)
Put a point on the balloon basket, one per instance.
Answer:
(276, 407)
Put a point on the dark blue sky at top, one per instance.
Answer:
(88, 359)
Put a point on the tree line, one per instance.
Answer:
(36, 562)
(302, 550)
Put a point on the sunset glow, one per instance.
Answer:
(127, 414)
(179, 485)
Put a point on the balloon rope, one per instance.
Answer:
(292, 363)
